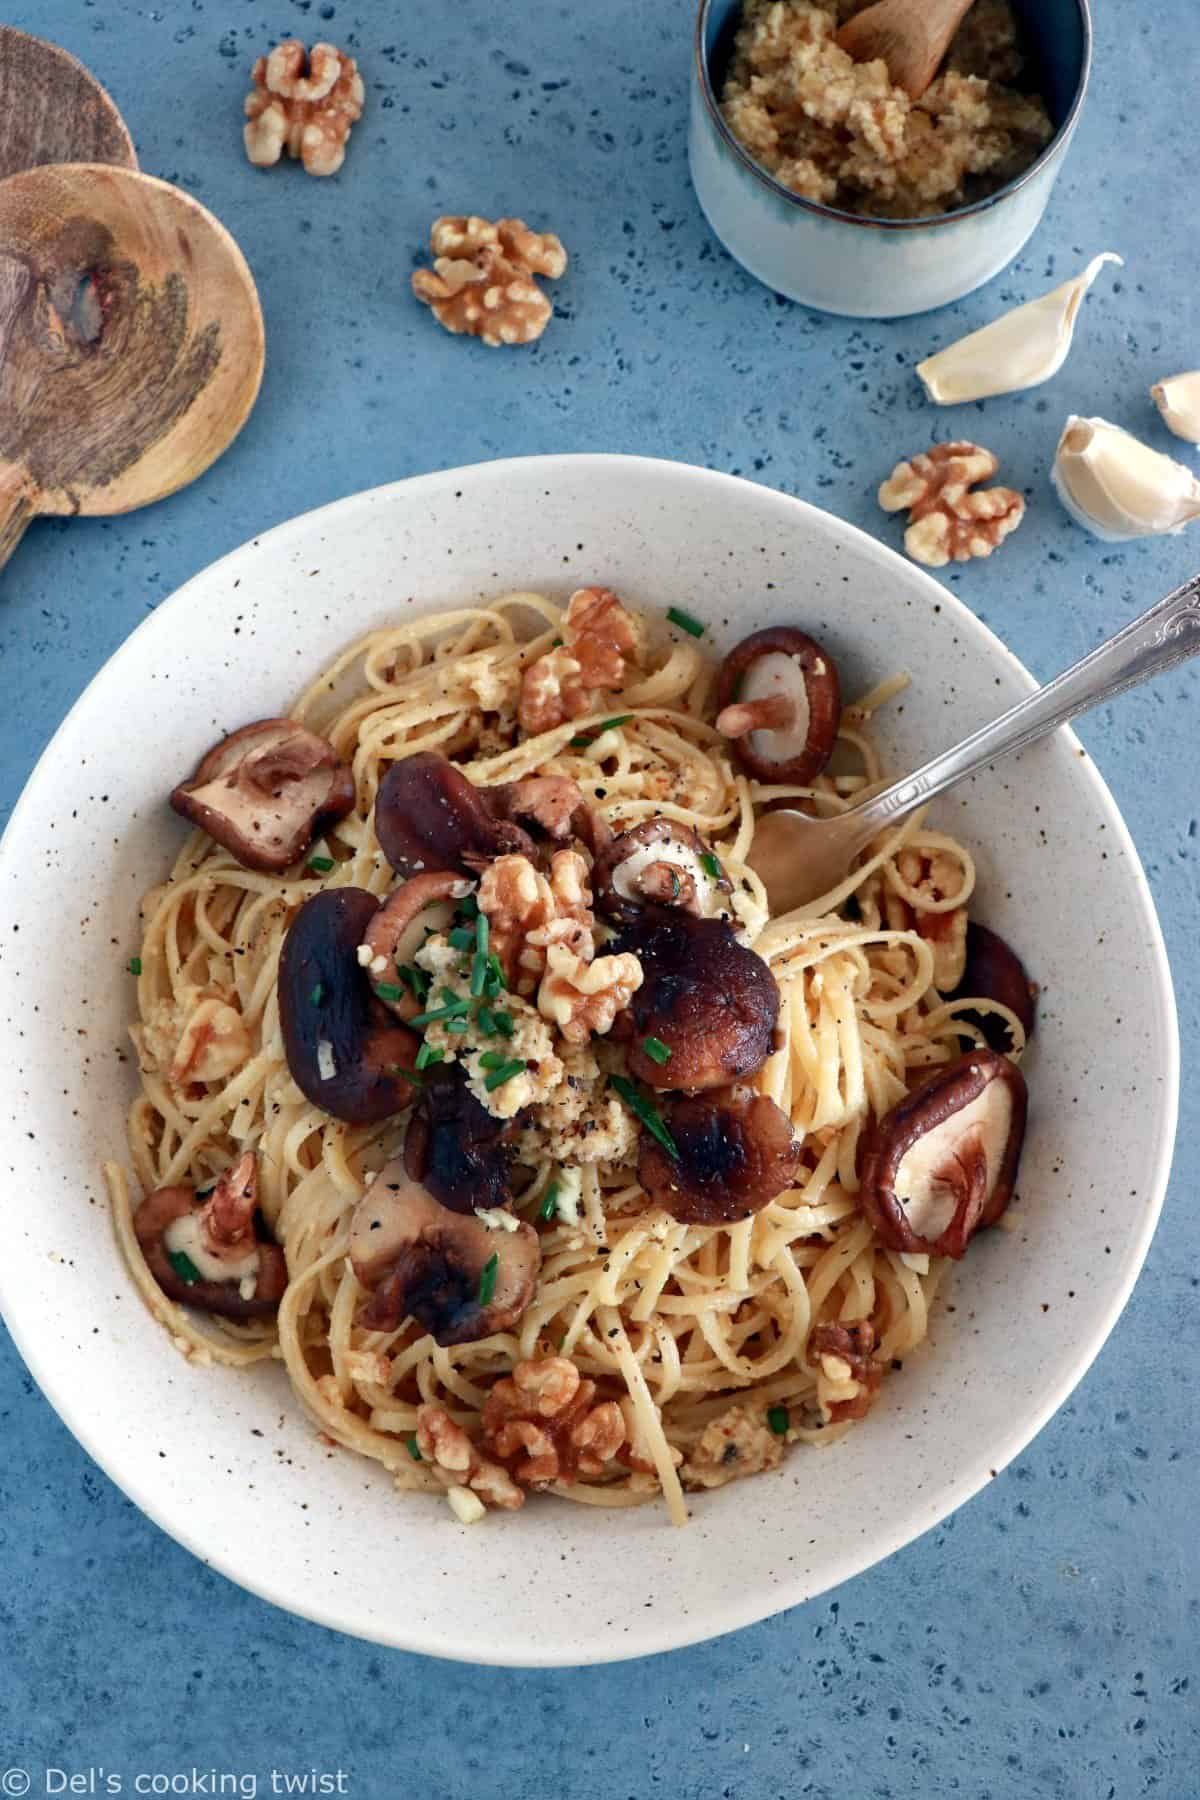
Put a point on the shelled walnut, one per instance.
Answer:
(304, 103)
(481, 283)
(600, 636)
(457, 1463)
(582, 997)
(950, 518)
(545, 1424)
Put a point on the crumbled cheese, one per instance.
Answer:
(581, 1122)
(326, 1065)
(365, 955)
(461, 889)
(466, 1506)
(379, 965)
(570, 1192)
(531, 1042)
(497, 1218)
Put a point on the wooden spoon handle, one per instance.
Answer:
(17, 498)
(911, 37)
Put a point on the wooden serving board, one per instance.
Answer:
(53, 111)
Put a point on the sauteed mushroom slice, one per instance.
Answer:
(736, 1153)
(263, 791)
(659, 863)
(447, 1270)
(345, 1051)
(455, 1147)
(207, 1253)
(994, 972)
(944, 1161)
(550, 806)
(429, 816)
(705, 999)
(399, 928)
(780, 702)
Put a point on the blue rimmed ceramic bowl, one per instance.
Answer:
(877, 268)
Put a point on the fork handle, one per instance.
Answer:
(1153, 643)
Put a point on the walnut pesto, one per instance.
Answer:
(839, 132)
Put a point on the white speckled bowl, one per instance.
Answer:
(228, 1463)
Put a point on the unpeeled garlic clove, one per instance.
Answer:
(1118, 487)
(1178, 400)
(1019, 350)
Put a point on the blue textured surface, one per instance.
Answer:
(1044, 1641)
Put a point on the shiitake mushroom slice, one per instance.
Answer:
(447, 1270)
(347, 1054)
(736, 1152)
(659, 863)
(429, 816)
(456, 1147)
(943, 1162)
(779, 701)
(707, 999)
(993, 971)
(262, 792)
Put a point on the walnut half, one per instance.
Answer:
(305, 104)
(544, 1424)
(950, 518)
(481, 283)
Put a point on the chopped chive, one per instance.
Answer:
(183, 1266)
(492, 1059)
(487, 1021)
(685, 622)
(318, 993)
(487, 1281)
(416, 980)
(458, 1025)
(322, 864)
(778, 1420)
(656, 1050)
(462, 937)
(479, 968)
(468, 906)
(427, 1056)
(457, 1010)
(135, 965)
(504, 1073)
(494, 981)
(413, 1451)
(504, 1023)
(710, 865)
(649, 1115)
(589, 737)
(388, 991)
(549, 1202)
(676, 884)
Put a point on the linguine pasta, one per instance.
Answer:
(704, 1334)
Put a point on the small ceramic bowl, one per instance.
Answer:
(877, 268)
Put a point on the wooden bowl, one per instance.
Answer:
(131, 342)
(53, 110)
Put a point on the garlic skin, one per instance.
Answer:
(1119, 488)
(1019, 350)
(1178, 400)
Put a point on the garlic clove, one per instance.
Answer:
(1178, 400)
(1117, 487)
(1019, 350)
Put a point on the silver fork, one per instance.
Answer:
(800, 858)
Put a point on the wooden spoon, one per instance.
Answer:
(131, 342)
(53, 111)
(911, 36)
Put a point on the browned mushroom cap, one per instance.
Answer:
(780, 701)
(659, 863)
(994, 972)
(264, 790)
(708, 999)
(429, 816)
(397, 931)
(345, 1051)
(552, 806)
(447, 1270)
(943, 1162)
(736, 1152)
(205, 1262)
(455, 1146)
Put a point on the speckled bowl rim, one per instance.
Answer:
(650, 1635)
(929, 221)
